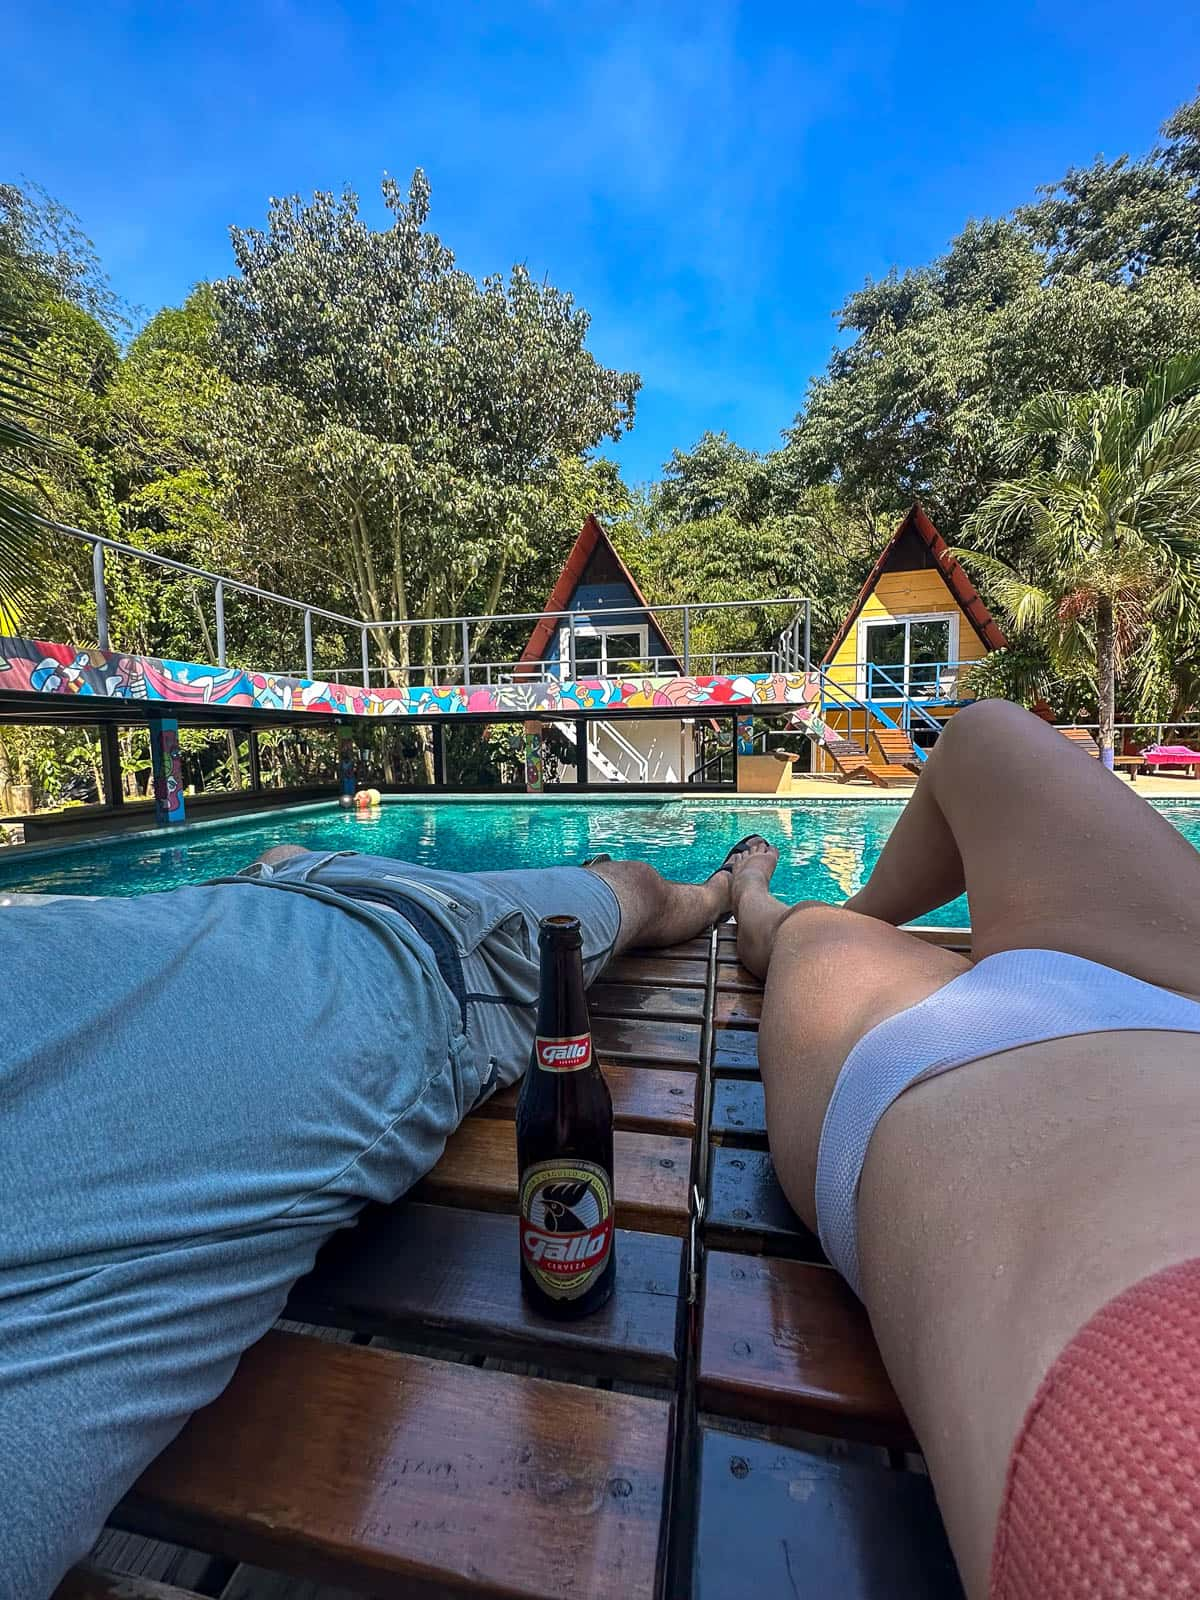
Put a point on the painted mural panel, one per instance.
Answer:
(39, 667)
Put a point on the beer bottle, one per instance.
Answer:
(565, 1143)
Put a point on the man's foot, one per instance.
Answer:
(751, 868)
(752, 841)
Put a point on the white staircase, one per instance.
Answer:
(611, 757)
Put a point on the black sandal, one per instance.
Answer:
(740, 849)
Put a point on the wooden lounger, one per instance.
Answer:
(1084, 739)
(853, 762)
(897, 749)
(397, 1472)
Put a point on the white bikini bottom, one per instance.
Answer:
(1015, 998)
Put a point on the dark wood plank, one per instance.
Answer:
(726, 935)
(668, 1044)
(668, 971)
(958, 939)
(787, 1343)
(747, 1210)
(479, 1170)
(739, 1112)
(685, 950)
(88, 1582)
(645, 1000)
(735, 1052)
(737, 1009)
(776, 1522)
(434, 1273)
(406, 1477)
(733, 975)
(645, 1099)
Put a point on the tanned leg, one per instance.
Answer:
(1002, 1203)
(656, 912)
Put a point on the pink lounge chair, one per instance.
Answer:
(1171, 755)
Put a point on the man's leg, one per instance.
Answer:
(657, 912)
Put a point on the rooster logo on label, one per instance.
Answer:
(565, 1208)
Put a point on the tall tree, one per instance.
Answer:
(48, 273)
(418, 417)
(1095, 283)
(1108, 503)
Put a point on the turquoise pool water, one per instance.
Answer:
(826, 848)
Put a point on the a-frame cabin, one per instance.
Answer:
(909, 640)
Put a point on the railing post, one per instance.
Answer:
(308, 645)
(571, 645)
(466, 651)
(219, 593)
(102, 638)
(687, 640)
(807, 634)
(366, 657)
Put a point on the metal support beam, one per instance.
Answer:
(110, 764)
(466, 652)
(308, 645)
(98, 591)
(347, 758)
(366, 657)
(807, 634)
(687, 641)
(582, 775)
(437, 732)
(219, 594)
(571, 646)
(255, 764)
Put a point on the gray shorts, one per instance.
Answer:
(487, 924)
(199, 1087)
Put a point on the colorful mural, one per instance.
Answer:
(534, 770)
(37, 667)
(167, 766)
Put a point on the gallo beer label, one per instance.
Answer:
(564, 1055)
(566, 1224)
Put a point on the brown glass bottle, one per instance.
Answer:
(565, 1143)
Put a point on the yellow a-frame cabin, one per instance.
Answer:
(907, 643)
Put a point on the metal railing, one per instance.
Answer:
(464, 667)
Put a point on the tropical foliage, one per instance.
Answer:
(1106, 518)
(352, 416)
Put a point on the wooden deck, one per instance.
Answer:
(723, 1428)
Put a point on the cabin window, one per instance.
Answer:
(602, 652)
(907, 656)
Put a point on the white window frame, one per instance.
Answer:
(952, 617)
(590, 630)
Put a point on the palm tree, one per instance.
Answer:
(1108, 516)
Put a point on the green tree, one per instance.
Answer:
(1097, 282)
(728, 524)
(412, 420)
(48, 272)
(1106, 502)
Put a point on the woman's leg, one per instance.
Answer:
(1054, 852)
(1002, 1203)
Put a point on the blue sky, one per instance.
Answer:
(710, 179)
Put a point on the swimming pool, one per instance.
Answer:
(826, 847)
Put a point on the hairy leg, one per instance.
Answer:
(657, 912)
